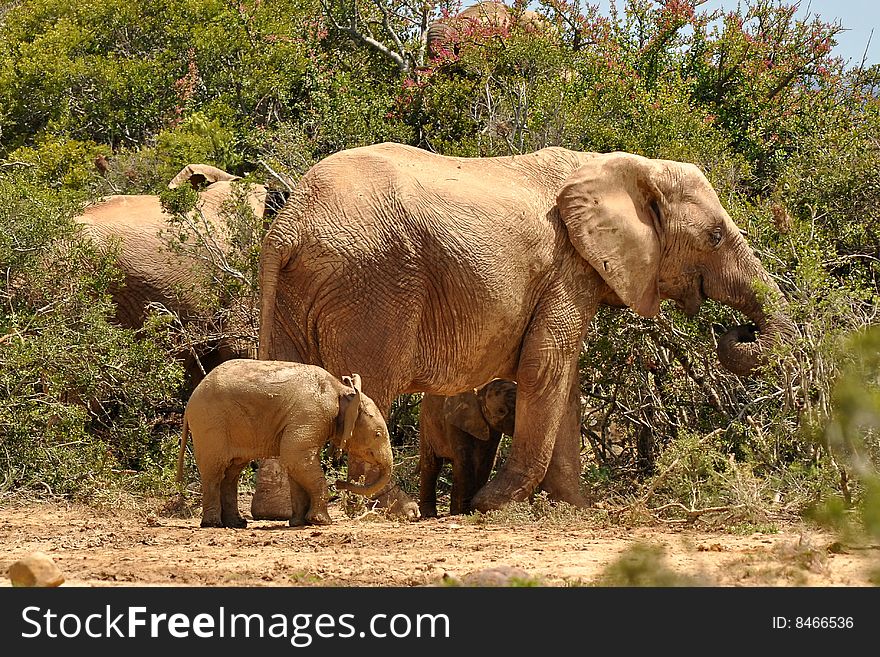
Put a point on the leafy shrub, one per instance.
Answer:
(82, 397)
(755, 96)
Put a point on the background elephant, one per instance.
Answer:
(437, 274)
(248, 409)
(491, 16)
(464, 429)
(155, 274)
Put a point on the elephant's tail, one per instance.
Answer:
(181, 456)
(273, 257)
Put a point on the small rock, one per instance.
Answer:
(36, 569)
(497, 576)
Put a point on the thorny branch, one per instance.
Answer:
(358, 29)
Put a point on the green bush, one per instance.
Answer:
(82, 398)
(755, 96)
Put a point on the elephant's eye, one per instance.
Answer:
(715, 236)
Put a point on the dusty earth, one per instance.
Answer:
(137, 547)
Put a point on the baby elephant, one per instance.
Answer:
(464, 429)
(254, 409)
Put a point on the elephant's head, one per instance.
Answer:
(199, 175)
(215, 189)
(362, 432)
(655, 229)
(497, 401)
(490, 407)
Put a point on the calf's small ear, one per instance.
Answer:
(463, 412)
(353, 381)
(349, 408)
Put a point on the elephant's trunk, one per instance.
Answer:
(384, 462)
(744, 348)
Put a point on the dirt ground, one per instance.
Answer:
(131, 547)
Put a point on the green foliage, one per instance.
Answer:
(61, 162)
(119, 72)
(643, 565)
(81, 397)
(197, 139)
(851, 435)
(784, 130)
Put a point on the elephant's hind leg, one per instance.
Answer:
(429, 469)
(211, 476)
(230, 514)
(562, 481)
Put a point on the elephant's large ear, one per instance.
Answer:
(611, 207)
(349, 408)
(199, 174)
(463, 412)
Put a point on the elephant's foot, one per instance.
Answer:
(505, 488)
(428, 509)
(318, 518)
(209, 522)
(235, 523)
(459, 506)
(575, 498)
(397, 503)
(271, 499)
(564, 485)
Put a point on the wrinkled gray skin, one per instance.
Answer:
(249, 409)
(153, 273)
(438, 274)
(464, 429)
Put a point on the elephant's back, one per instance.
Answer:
(124, 209)
(243, 376)
(388, 188)
(260, 394)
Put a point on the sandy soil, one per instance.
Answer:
(138, 548)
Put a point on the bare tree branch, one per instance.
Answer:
(355, 31)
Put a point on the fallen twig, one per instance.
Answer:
(692, 514)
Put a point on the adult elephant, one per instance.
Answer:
(437, 274)
(478, 21)
(153, 273)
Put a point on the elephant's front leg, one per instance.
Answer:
(464, 453)
(546, 374)
(429, 469)
(299, 503)
(301, 459)
(563, 478)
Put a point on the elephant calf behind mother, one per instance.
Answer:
(437, 274)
